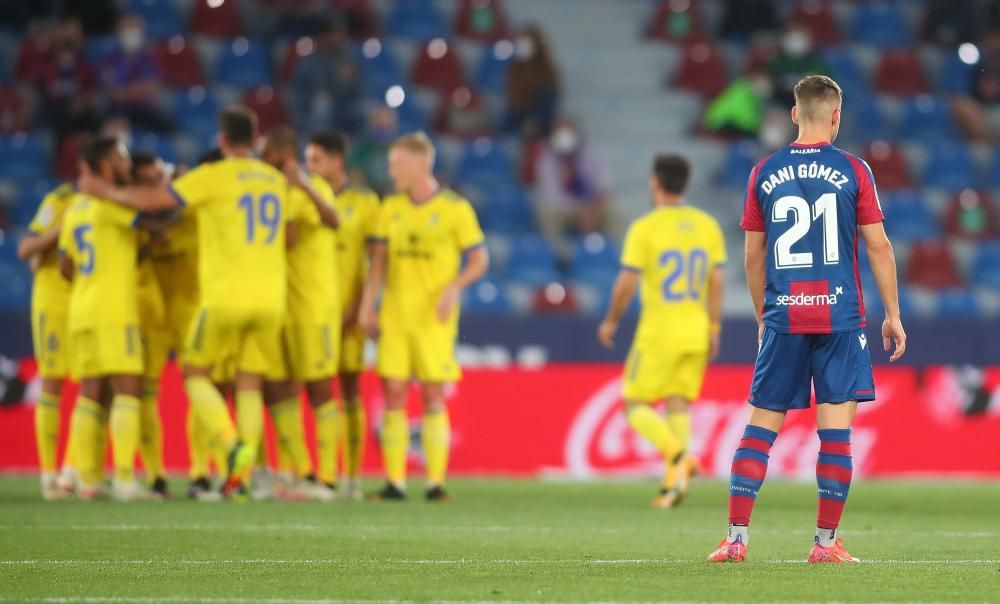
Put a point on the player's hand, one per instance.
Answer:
(892, 333)
(90, 183)
(606, 333)
(294, 173)
(713, 347)
(448, 302)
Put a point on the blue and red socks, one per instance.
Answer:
(749, 469)
(833, 479)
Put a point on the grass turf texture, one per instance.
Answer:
(499, 540)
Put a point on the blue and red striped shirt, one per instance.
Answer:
(809, 200)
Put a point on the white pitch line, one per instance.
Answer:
(443, 562)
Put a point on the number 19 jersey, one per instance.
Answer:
(809, 200)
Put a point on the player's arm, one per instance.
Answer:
(621, 296)
(36, 244)
(754, 262)
(883, 263)
(66, 266)
(143, 199)
(716, 281)
(373, 286)
(297, 177)
(477, 262)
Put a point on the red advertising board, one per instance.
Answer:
(567, 420)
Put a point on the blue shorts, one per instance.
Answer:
(838, 365)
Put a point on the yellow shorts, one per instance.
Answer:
(651, 377)
(49, 334)
(352, 351)
(427, 354)
(157, 342)
(310, 352)
(245, 340)
(106, 350)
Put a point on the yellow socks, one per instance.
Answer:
(198, 450)
(47, 432)
(327, 425)
(353, 423)
(250, 417)
(86, 426)
(395, 442)
(151, 429)
(212, 412)
(655, 429)
(287, 418)
(436, 437)
(125, 426)
(680, 425)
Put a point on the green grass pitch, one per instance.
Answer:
(500, 540)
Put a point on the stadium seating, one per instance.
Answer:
(506, 210)
(216, 18)
(491, 75)
(486, 297)
(972, 215)
(702, 70)
(554, 298)
(889, 164)
(865, 120)
(932, 265)
(439, 67)
(595, 260)
(879, 23)
(416, 20)
(908, 218)
(362, 22)
(162, 17)
(818, 18)
(22, 157)
(901, 73)
(484, 20)
(269, 105)
(926, 119)
(949, 166)
(740, 160)
(985, 270)
(11, 110)
(379, 67)
(243, 63)
(955, 76)
(179, 63)
(196, 111)
(485, 163)
(531, 261)
(677, 22)
(958, 303)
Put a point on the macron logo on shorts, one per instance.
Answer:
(864, 341)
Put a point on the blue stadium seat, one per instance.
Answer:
(956, 75)
(379, 68)
(485, 163)
(531, 261)
(957, 303)
(162, 17)
(22, 158)
(740, 160)
(196, 111)
(595, 261)
(985, 271)
(487, 297)
(950, 166)
(866, 120)
(994, 176)
(506, 210)
(926, 119)
(879, 23)
(491, 75)
(633, 308)
(243, 64)
(416, 20)
(99, 47)
(162, 146)
(847, 71)
(907, 217)
(410, 115)
(16, 279)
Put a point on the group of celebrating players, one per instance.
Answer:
(264, 281)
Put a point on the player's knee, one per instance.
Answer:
(128, 385)
(395, 394)
(320, 392)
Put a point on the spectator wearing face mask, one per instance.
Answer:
(326, 85)
(574, 189)
(133, 78)
(369, 161)
(532, 86)
(796, 59)
(978, 110)
(67, 83)
(738, 110)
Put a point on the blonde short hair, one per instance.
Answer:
(815, 91)
(418, 143)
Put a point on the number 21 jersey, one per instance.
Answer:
(809, 200)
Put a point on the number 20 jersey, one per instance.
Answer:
(809, 200)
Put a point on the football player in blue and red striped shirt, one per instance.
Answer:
(806, 207)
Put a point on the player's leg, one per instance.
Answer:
(320, 394)
(843, 377)
(395, 366)
(86, 425)
(353, 430)
(294, 463)
(435, 367)
(47, 417)
(156, 346)
(126, 427)
(781, 382)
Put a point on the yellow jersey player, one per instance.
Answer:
(311, 328)
(240, 206)
(99, 245)
(421, 237)
(49, 309)
(357, 210)
(675, 255)
(150, 170)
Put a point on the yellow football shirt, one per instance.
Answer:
(312, 262)
(240, 206)
(100, 238)
(51, 290)
(674, 248)
(357, 209)
(176, 263)
(425, 242)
